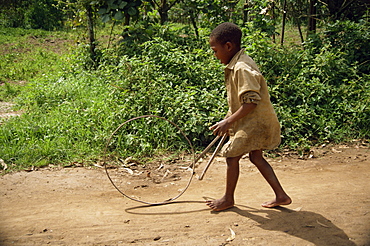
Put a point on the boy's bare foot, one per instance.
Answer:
(277, 202)
(220, 204)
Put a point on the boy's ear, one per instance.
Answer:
(229, 46)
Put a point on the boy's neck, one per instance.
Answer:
(234, 52)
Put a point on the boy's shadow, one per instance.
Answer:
(307, 225)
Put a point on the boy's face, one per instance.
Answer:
(223, 52)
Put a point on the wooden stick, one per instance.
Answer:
(206, 149)
(213, 156)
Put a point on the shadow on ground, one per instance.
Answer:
(309, 226)
(306, 225)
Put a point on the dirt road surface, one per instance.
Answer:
(79, 206)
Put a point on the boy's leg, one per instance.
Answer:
(232, 175)
(268, 173)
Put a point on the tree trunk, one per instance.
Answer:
(91, 34)
(283, 25)
(127, 20)
(163, 11)
(245, 11)
(194, 23)
(300, 30)
(273, 20)
(298, 22)
(312, 18)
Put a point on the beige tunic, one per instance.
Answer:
(260, 129)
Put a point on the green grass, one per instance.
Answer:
(28, 55)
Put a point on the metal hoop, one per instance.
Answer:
(178, 128)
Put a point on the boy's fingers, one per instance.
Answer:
(216, 130)
(212, 127)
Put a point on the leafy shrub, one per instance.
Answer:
(70, 117)
(351, 38)
(135, 35)
(317, 93)
(43, 14)
(173, 83)
(35, 14)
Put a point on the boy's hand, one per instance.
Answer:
(221, 128)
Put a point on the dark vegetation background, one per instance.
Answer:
(78, 69)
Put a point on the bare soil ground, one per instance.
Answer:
(6, 111)
(79, 206)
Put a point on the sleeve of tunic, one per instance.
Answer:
(250, 97)
(248, 86)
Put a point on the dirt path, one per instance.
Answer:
(79, 206)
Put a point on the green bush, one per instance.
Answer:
(69, 118)
(133, 37)
(353, 39)
(34, 14)
(318, 92)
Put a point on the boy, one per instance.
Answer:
(251, 121)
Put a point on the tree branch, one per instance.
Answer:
(324, 3)
(172, 4)
(154, 4)
(345, 6)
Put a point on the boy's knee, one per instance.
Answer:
(255, 157)
(232, 160)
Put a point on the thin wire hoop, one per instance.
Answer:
(192, 166)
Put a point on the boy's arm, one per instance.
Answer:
(223, 126)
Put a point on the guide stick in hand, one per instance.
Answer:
(214, 153)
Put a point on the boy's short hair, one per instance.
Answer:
(227, 32)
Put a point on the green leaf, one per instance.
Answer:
(119, 15)
(105, 18)
(113, 6)
(122, 5)
(102, 11)
(132, 11)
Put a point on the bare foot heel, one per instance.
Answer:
(220, 204)
(277, 202)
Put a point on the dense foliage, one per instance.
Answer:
(35, 14)
(72, 104)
